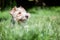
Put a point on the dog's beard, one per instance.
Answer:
(22, 20)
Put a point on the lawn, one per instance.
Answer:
(44, 24)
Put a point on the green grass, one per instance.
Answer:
(44, 24)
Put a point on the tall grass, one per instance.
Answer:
(44, 24)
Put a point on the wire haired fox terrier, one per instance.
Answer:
(19, 15)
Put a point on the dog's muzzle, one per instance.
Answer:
(26, 16)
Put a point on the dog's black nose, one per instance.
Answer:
(26, 16)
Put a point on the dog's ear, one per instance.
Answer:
(20, 7)
(13, 10)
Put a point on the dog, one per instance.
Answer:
(19, 15)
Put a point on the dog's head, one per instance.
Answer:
(19, 14)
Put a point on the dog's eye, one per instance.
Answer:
(19, 12)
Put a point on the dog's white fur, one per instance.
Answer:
(19, 14)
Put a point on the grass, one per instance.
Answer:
(44, 24)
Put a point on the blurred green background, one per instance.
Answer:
(44, 23)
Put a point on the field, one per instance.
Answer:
(44, 24)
